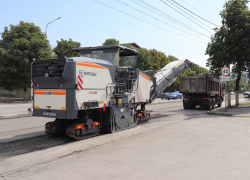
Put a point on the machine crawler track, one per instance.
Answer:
(84, 136)
(48, 127)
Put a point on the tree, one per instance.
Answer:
(189, 73)
(234, 47)
(64, 48)
(144, 61)
(110, 42)
(159, 58)
(199, 69)
(19, 45)
(172, 58)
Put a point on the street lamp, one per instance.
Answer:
(48, 24)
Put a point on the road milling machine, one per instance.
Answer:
(101, 90)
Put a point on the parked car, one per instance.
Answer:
(232, 93)
(246, 93)
(164, 95)
(174, 95)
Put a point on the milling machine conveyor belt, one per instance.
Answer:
(167, 75)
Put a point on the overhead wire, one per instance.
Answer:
(164, 15)
(206, 7)
(186, 16)
(200, 12)
(159, 20)
(194, 13)
(147, 22)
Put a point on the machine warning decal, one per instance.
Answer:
(90, 74)
(97, 52)
(49, 114)
(80, 80)
(90, 64)
(143, 75)
(50, 92)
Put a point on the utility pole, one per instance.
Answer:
(48, 24)
(228, 65)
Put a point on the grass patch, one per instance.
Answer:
(220, 114)
(224, 110)
(242, 104)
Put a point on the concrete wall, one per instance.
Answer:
(14, 94)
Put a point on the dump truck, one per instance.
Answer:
(101, 90)
(203, 90)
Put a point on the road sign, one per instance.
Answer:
(225, 78)
(225, 71)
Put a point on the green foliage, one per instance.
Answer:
(144, 61)
(64, 48)
(110, 42)
(172, 58)
(243, 86)
(19, 45)
(159, 58)
(189, 73)
(199, 69)
(234, 47)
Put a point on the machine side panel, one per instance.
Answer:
(95, 78)
(50, 99)
(144, 85)
(54, 91)
(71, 103)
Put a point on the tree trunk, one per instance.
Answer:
(237, 89)
(25, 94)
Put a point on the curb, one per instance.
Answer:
(13, 116)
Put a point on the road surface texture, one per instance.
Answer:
(175, 144)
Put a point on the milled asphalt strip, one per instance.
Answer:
(107, 140)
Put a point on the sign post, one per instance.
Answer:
(225, 72)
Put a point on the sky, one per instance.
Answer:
(152, 24)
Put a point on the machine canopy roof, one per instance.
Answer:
(123, 51)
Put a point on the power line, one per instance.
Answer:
(165, 15)
(206, 7)
(186, 16)
(195, 14)
(158, 19)
(200, 12)
(147, 22)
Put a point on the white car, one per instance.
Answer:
(232, 93)
(246, 93)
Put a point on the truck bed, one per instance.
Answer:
(205, 83)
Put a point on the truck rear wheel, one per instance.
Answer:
(193, 106)
(209, 105)
(219, 104)
(185, 106)
(213, 103)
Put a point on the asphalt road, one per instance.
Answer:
(175, 144)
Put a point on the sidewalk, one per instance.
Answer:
(241, 111)
(14, 109)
